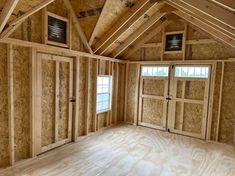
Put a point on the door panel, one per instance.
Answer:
(189, 104)
(152, 97)
(54, 87)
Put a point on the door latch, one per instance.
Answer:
(169, 97)
(72, 100)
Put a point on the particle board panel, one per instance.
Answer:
(57, 7)
(137, 56)
(216, 101)
(153, 87)
(131, 93)
(194, 33)
(21, 82)
(175, 26)
(173, 57)
(152, 54)
(88, 13)
(152, 111)
(227, 119)
(63, 101)
(193, 114)
(179, 91)
(178, 112)
(4, 139)
(194, 90)
(212, 51)
(48, 101)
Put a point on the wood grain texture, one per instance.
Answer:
(130, 150)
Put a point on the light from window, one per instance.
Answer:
(103, 97)
(192, 71)
(161, 71)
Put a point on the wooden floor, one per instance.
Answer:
(131, 151)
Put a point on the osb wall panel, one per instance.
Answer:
(227, 119)
(194, 90)
(82, 90)
(48, 102)
(102, 120)
(131, 92)
(175, 26)
(91, 10)
(30, 29)
(63, 101)
(153, 87)
(21, 102)
(152, 111)
(178, 108)
(4, 139)
(152, 54)
(58, 8)
(216, 100)
(121, 92)
(179, 89)
(194, 33)
(192, 117)
(210, 51)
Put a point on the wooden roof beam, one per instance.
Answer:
(78, 26)
(139, 44)
(228, 4)
(18, 21)
(133, 15)
(212, 10)
(143, 28)
(216, 33)
(6, 12)
(181, 5)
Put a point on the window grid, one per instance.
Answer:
(103, 99)
(192, 71)
(161, 71)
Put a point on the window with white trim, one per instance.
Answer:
(161, 71)
(103, 95)
(192, 71)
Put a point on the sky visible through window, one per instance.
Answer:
(155, 71)
(103, 93)
(192, 71)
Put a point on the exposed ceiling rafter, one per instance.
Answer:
(228, 4)
(133, 15)
(6, 12)
(152, 33)
(137, 33)
(216, 33)
(18, 21)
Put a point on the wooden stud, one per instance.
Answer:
(126, 87)
(211, 100)
(57, 99)
(87, 96)
(33, 99)
(70, 104)
(11, 104)
(76, 120)
(137, 95)
(220, 102)
(94, 117)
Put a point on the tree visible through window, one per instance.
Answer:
(103, 97)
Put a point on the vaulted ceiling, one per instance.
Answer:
(117, 28)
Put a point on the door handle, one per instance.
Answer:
(72, 100)
(168, 98)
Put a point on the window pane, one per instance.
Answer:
(161, 71)
(103, 93)
(192, 72)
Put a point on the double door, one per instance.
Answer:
(175, 98)
(54, 109)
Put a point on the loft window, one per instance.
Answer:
(103, 97)
(57, 30)
(192, 71)
(161, 71)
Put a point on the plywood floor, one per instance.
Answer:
(133, 151)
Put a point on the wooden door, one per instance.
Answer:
(54, 109)
(153, 95)
(189, 88)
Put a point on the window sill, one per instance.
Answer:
(100, 112)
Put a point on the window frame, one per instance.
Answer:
(110, 94)
(154, 76)
(191, 77)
